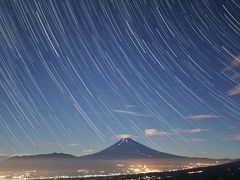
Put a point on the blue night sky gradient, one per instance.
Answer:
(77, 75)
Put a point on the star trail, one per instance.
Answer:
(76, 75)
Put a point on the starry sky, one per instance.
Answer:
(77, 75)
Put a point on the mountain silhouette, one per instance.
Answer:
(44, 156)
(124, 152)
(127, 148)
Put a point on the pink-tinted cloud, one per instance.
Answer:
(22, 154)
(73, 144)
(235, 63)
(201, 116)
(234, 91)
(88, 151)
(133, 113)
(197, 140)
(5, 155)
(2, 153)
(47, 143)
(155, 132)
(193, 140)
(122, 136)
(236, 76)
(232, 137)
(189, 131)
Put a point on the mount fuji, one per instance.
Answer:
(127, 148)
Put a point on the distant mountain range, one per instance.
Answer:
(118, 157)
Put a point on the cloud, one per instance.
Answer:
(133, 113)
(122, 136)
(201, 116)
(21, 154)
(88, 151)
(155, 132)
(189, 131)
(4, 155)
(73, 144)
(234, 91)
(47, 143)
(129, 106)
(193, 140)
(236, 76)
(235, 63)
(232, 137)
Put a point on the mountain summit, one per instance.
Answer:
(127, 148)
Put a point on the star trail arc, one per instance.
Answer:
(84, 72)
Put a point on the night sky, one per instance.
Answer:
(75, 76)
